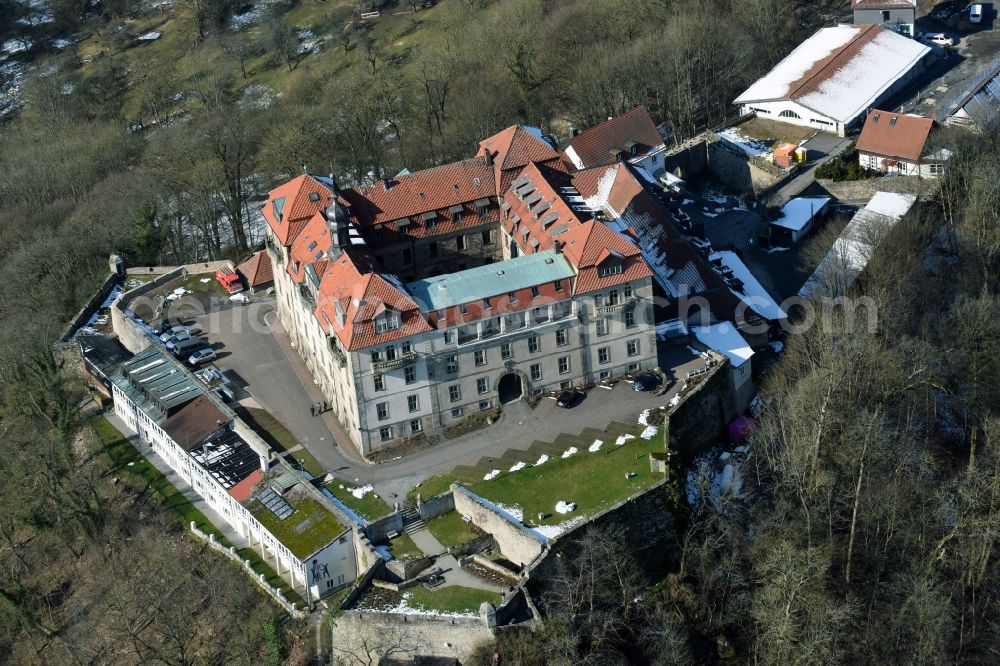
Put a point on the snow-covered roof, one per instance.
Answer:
(753, 293)
(795, 214)
(851, 252)
(840, 71)
(725, 339)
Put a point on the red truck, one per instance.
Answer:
(229, 280)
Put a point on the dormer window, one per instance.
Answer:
(610, 268)
(387, 321)
(278, 207)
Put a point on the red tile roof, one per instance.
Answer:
(541, 208)
(589, 245)
(362, 297)
(242, 491)
(257, 270)
(433, 189)
(513, 149)
(297, 200)
(597, 145)
(309, 247)
(896, 135)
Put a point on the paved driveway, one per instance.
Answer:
(253, 350)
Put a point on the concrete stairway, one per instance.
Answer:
(412, 522)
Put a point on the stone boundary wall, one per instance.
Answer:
(494, 567)
(738, 170)
(200, 267)
(516, 543)
(711, 402)
(474, 546)
(406, 570)
(87, 310)
(363, 637)
(259, 579)
(128, 330)
(362, 583)
(379, 530)
(859, 191)
(432, 507)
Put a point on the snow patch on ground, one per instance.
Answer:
(149, 36)
(516, 512)
(624, 438)
(552, 531)
(518, 466)
(565, 507)
(743, 143)
(596, 446)
(362, 491)
(649, 432)
(491, 475)
(544, 458)
(570, 451)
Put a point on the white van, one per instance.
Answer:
(976, 13)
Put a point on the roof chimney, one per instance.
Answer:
(387, 184)
(557, 245)
(574, 132)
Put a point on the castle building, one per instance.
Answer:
(420, 300)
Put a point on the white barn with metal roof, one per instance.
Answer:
(830, 80)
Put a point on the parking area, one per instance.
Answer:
(977, 45)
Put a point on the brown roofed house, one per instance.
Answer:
(257, 272)
(631, 136)
(195, 422)
(895, 144)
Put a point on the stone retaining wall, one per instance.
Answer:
(361, 637)
(432, 507)
(860, 191)
(380, 529)
(515, 542)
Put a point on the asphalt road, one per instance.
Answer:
(253, 351)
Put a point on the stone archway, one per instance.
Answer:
(510, 388)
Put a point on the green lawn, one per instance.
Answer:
(130, 465)
(402, 547)
(451, 530)
(309, 528)
(134, 469)
(454, 599)
(194, 282)
(431, 488)
(594, 481)
(369, 507)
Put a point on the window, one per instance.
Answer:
(536, 371)
(379, 380)
(512, 297)
(885, 15)
(604, 355)
(463, 309)
(432, 248)
(534, 292)
(788, 113)
(480, 357)
(416, 425)
(382, 411)
(632, 347)
(559, 285)
(413, 403)
(406, 347)
(483, 385)
(563, 365)
(937, 169)
(565, 385)
(633, 367)
(505, 351)
(460, 242)
(390, 353)
(602, 327)
(486, 304)
(385, 433)
(448, 335)
(485, 404)
(386, 323)
(455, 392)
(562, 337)
(605, 374)
(410, 374)
(457, 412)
(452, 364)
(533, 344)
(628, 290)
(488, 237)
(431, 224)
(613, 297)
(610, 268)
(630, 319)
(376, 356)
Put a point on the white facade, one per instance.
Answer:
(894, 166)
(793, 113)
(311, 579)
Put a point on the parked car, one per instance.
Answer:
(165, 325)
(183, 349)
(568, 398)
(172, 331)
(937, 38)
(203, 355)
(646, 382)
(944, 11)
(174, 340)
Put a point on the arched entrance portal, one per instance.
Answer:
(509, 387)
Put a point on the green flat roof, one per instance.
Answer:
(310, 527)
(153, 380)
(445, 291)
